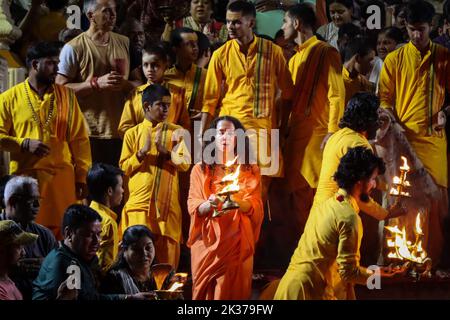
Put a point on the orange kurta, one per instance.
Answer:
(222, 248)
(318, 106)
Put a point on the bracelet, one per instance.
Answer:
(25, 144)
(94, 83)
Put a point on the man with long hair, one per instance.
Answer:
(332, 235)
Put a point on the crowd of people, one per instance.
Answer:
(109, 133)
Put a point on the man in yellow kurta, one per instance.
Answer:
(105, 184)
(317, 107)
(332, 236)
(359, 123)
(243, 78)
(358, 60)
(151, 162)
(185, 73)
(42, 127)
(412, 87)
(154, 64)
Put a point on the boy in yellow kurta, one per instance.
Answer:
(413, 83)
(151, 161)
(243, 79)
(42, 127)
(358, 60)
(105, 184)
(332, 236)
(185, 73)
(154, 64)
(317, 107)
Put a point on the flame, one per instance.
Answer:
(234, 179)
(232, 176)
(404, 249)
(394, 229)
(392, 255)
(394, 192)
(231, 162)
(405, 164)
(175, 286)
(396, 180)
(401, 182)
(419, 247)
(418, 226)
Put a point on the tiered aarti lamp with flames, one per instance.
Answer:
(231, 186)
(160, 273)
(401, 185)
(411, 255)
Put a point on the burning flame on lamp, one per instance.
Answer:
(400, 183)
(404, 249)
(405, 164)
(231, 186)
(231, 178)
(174, 287)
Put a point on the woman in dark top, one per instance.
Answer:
(132, 271)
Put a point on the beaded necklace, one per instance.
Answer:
(35, 116)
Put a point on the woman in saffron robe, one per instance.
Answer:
(222, 248)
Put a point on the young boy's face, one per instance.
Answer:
(158, 110)
(153, 67)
